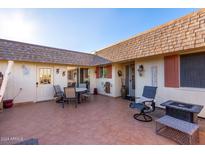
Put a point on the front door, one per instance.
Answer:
(130, 79)
(44, 83)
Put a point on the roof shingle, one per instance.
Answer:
(18, 51)
(187, 32)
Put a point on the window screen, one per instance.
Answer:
(192, 70)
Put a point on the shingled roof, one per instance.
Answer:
(187, 32)
(18, 51)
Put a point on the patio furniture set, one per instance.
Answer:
(71, 94)
(180, 121)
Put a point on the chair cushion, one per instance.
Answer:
(138, 106)
(143, 99)
(86, 95)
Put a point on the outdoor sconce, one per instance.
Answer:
(63, 74)
(140, 70)
(57, 71)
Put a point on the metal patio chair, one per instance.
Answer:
(145, 104)
(85, 95)
(70, 95)
(58, 93)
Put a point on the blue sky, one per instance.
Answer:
(82, 30)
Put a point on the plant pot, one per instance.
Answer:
(8, 103)
(95, 91)
(123, 92)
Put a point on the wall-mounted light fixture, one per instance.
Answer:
(57, 71)
(140, 70)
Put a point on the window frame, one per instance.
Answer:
(102, 70)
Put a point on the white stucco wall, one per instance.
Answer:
(189, 95)
(18, 80)
(101, 81)
(115, 90)
(27, 81)
(58, 78)
(100, 86)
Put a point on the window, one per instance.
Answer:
(104, 71)
(192, 70)
(101, 72)
(108, 71)
(45, 76)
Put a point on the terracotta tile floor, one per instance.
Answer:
(103, 120)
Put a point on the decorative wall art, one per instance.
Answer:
(25, 70)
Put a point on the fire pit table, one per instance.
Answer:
(183, 111)
(180, 122)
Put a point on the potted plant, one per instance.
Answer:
(9, 102)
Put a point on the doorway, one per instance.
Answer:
(44, 83)
(130, 79)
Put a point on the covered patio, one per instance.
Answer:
(102, 120)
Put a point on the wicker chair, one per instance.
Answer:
(145, 104)
(70, 95)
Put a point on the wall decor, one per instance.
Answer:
(107, 87)
(25, 70)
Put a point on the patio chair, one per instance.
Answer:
(58, 93)
(70, 95)
(145, 104)
(86, 95)
(73, 84)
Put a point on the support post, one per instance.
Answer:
(5, 79)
